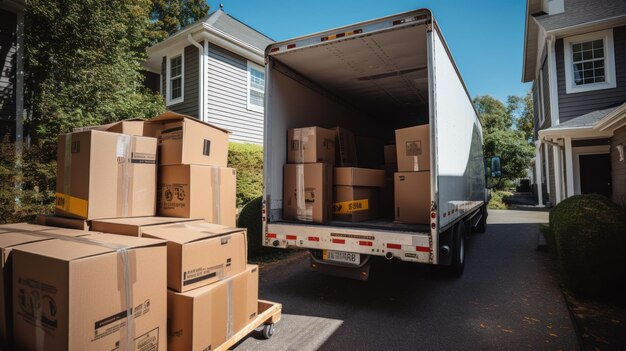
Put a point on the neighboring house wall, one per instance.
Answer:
(577, 104)
(227, 101)
(618, 168)
(189, 106)
(8, 54)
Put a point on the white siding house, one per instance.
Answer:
(213, 70)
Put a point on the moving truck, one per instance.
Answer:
(373, 78)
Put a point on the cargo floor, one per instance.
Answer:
(378, 224)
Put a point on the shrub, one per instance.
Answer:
(497, 199)
(590, 236)
(250, 218)
(247, 159)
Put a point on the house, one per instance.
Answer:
(575, 57)
(11, 68)
(213, 70)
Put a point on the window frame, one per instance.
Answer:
(250, 106)
(609, 62)
(168, 82)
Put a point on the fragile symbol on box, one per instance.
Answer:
(414, 148)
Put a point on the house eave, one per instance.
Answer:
(579, 132)
(587, 26)
(613, 120)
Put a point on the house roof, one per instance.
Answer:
(592, 123)
(579, 12)
(586, 120)
(579, 16)
(219, 28)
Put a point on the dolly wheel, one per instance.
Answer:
(268, 331)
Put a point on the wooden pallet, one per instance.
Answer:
(269, 314)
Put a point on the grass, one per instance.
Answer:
(497, 199)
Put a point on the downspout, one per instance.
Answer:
(200, 76)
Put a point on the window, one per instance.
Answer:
(589, 62)
(175, 69)
(256, 87)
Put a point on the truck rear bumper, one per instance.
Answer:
(405, 246)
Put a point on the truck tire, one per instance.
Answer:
(481, 226)
(457, 264)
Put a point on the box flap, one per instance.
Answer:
(22, 227)
(143, 221)
(105, 126)
(183, 233)
(173, 116)
(17, 238)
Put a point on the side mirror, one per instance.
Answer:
(494, 167)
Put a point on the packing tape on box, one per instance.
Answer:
(124, 148)
(302, 213)
(122, 251)
(216, 183)
(301, 136)
(230, 309)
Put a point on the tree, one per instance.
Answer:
(500, 139)
(522, 109)
(169, 16)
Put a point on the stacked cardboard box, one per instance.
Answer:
(412, 181)
(357, 193)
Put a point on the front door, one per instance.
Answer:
(595, 174)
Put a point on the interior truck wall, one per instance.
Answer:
(295, 105)
(460, 165)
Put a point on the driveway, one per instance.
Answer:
(508, 298)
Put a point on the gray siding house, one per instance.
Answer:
(575, 57)
(11, 71)
(213, 70)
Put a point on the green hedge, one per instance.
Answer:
(589, 232)
(247, 159)
(250, 218)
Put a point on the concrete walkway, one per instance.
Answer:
(508, 298)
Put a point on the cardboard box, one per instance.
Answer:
(200, 253)
(356, 204)
(22, 227)
(194, 191)
(79, 301)
(105, 175)
(345, 154)
(63, 222)
(9, 241)
(352, 176)
(412, 197)
(413, 148)
(132, 126)
(134, 226)
(370, 152)
(308, 192)
(187, 140)
(311, 145)
(204, 318)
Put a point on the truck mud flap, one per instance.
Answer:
(360, 272)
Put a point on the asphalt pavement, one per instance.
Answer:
(508, 298)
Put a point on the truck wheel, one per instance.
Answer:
(482, 224)
(457, 265)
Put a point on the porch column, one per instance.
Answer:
(569, 166)
(538, 179)
(558, 176)
(547, 168)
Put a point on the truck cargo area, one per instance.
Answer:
(371, 82)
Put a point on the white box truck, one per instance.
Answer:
(375, 77)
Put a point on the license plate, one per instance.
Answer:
(341, 256)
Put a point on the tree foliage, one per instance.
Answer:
(501, 139)
(169, 16)
(522, 110)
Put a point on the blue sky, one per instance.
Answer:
(485, 36)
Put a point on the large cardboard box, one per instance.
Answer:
(22, 227)
(195, 191)
(132, 126)
(200, 253)
(356, 204)
(204, 318)
(345, 154)
(63, 222)
(412, 197)
(413, 148)
(370, 152)
(80, 300)
(187, 140)
(353, 176)
(311, 145)
(134, 226)
(308, 192)
(104, 175)
(9, 241)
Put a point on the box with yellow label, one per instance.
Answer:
(356, 204)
